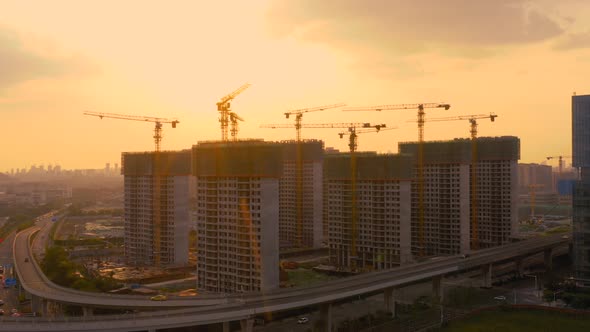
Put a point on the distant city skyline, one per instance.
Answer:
(62, 60)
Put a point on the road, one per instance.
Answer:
(239, 307)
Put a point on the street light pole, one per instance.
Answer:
(554, 297)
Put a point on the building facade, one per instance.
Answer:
(237, 211)
(383, 191)
(305, 231)
(581, 190)
(535, 174)
(446, 228)
(156, 207)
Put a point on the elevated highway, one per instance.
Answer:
(242, 308)
(34, 281)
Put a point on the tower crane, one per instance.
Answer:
(473, 130)
(234, 118)
(353, 133)
(560, 159)
(299, 163)
(223, 106)
(420, 163)
(156, 197)
(298, 125)
(158, 122)
(299, 115)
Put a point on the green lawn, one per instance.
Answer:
(304, 277)
(520, 321)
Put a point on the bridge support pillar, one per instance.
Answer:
(486, 272)
(226, 326)
(246, 325)
(45, 310)
(519, 262)
(389, 301)
(87, 311)
(326, 316)
(37, 304)
(437, 289)
(548, 253)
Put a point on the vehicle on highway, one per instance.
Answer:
(500, 298)
(565, 237)
(159, 298)
(15, 314)
(1, 312)
(1, 302)
(26, 259)
(302, 320)
(14, 310)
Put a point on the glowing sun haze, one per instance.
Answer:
(176, 59)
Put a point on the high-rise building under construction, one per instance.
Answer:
(156, 196)
(382, 230)
(304, 230)
(448, 199)
(237, 211)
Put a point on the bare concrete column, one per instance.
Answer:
(548, 258)
(247, 325)
(486, 272)
(437, 290)
(36, 304)
(389, 301)
(326, 316)
(45, 310)
(226, 327)
(87, 311)
(519, 262)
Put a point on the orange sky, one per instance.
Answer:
(520, 59)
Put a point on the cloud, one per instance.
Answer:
(405, 27)
(20, 64)
(573, 41)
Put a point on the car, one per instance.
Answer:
(565, 237)
(1, 311)
(302, 320)
(500, 298)
(159, 298)
(15, 314)
(1, 302)
(14, 310)
(26, 259)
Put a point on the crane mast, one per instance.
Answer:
(473, 174)
(299, 163)
(352, 145)
(157, 173)
(420, 161)
(560, 160)
(299, 160)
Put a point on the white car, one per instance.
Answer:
(302, 320)
(500, 298)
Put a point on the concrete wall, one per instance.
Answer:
(405, 222)
(318, 204)
(181, 219)
(269, 240)
(464, 209)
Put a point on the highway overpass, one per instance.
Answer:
(234, 308)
